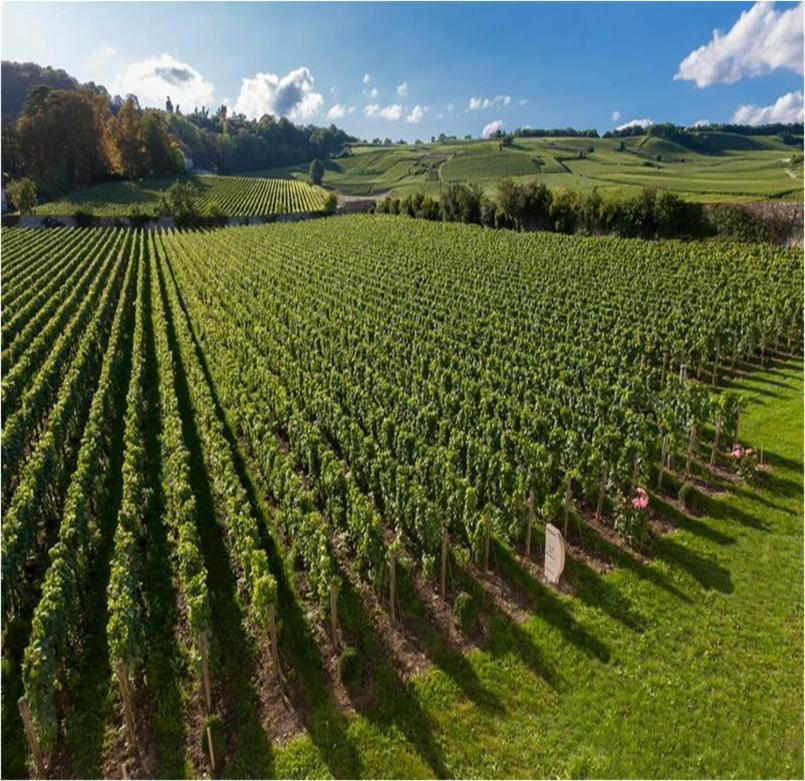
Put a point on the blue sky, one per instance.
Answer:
(412, 70)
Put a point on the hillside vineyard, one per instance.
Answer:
(235, 195)
(393, 386)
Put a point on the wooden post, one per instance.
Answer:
(272, 629)
(602, 486)
(124, 771)
(443, 573)
(700, 367)
(392, 586)
(30, 733)
(567, 504)
(663, 456)
(128, 712)
(212, 750)
(691, 442)
(334, 613)
(715, 443)
(683, 372)
(714, 378)
(530, 524)
(205, 668)
(488, 522)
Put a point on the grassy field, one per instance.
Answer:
(237, 196)
(740, 168)
(691, 666)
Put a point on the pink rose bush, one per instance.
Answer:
(745, 462)
(631, 517)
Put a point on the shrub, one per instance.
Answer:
(465, 612)
(737, 224)
(84, 217)
(22, 195)
(330, 203)
(180, 201)
(349, 668)
(214, 216)
(138, 217)
(316, 171)
(686, 495)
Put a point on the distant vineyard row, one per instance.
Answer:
(235, 195)
(395, 388)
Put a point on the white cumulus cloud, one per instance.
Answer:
(702, 123)
(615, 116)
(523, 101)
(371, 93)
(390, 113)
(416, 116)
(336, 112)
(291, 95)
(154, 79)
(788, 108)
(498, 101)
(492, 128)
(762, 40)
(366, 78)
(402, 89)
(645, 122)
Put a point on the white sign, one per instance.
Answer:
(554, 554)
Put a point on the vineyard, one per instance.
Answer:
(236, 195)
(239, 467)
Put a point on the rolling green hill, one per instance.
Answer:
(722, 167)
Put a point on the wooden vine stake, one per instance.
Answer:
(488, 535)
(714, 378)
(663, 456)
(715, 443)
(602, 487)
(124, 771)
(691, 443)
(530, 526)
(128, 711)
(568, 491)
(209, 746)
(275, 649)
(393, 586)
(30, 733)
(443, 573)
(205, 667)
(334, 613)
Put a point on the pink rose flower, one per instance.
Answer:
(640, 500)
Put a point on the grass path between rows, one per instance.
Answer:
(689, 667)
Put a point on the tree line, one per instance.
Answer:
(73, 135)
(530, 206)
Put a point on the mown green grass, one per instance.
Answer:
(691, 666)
